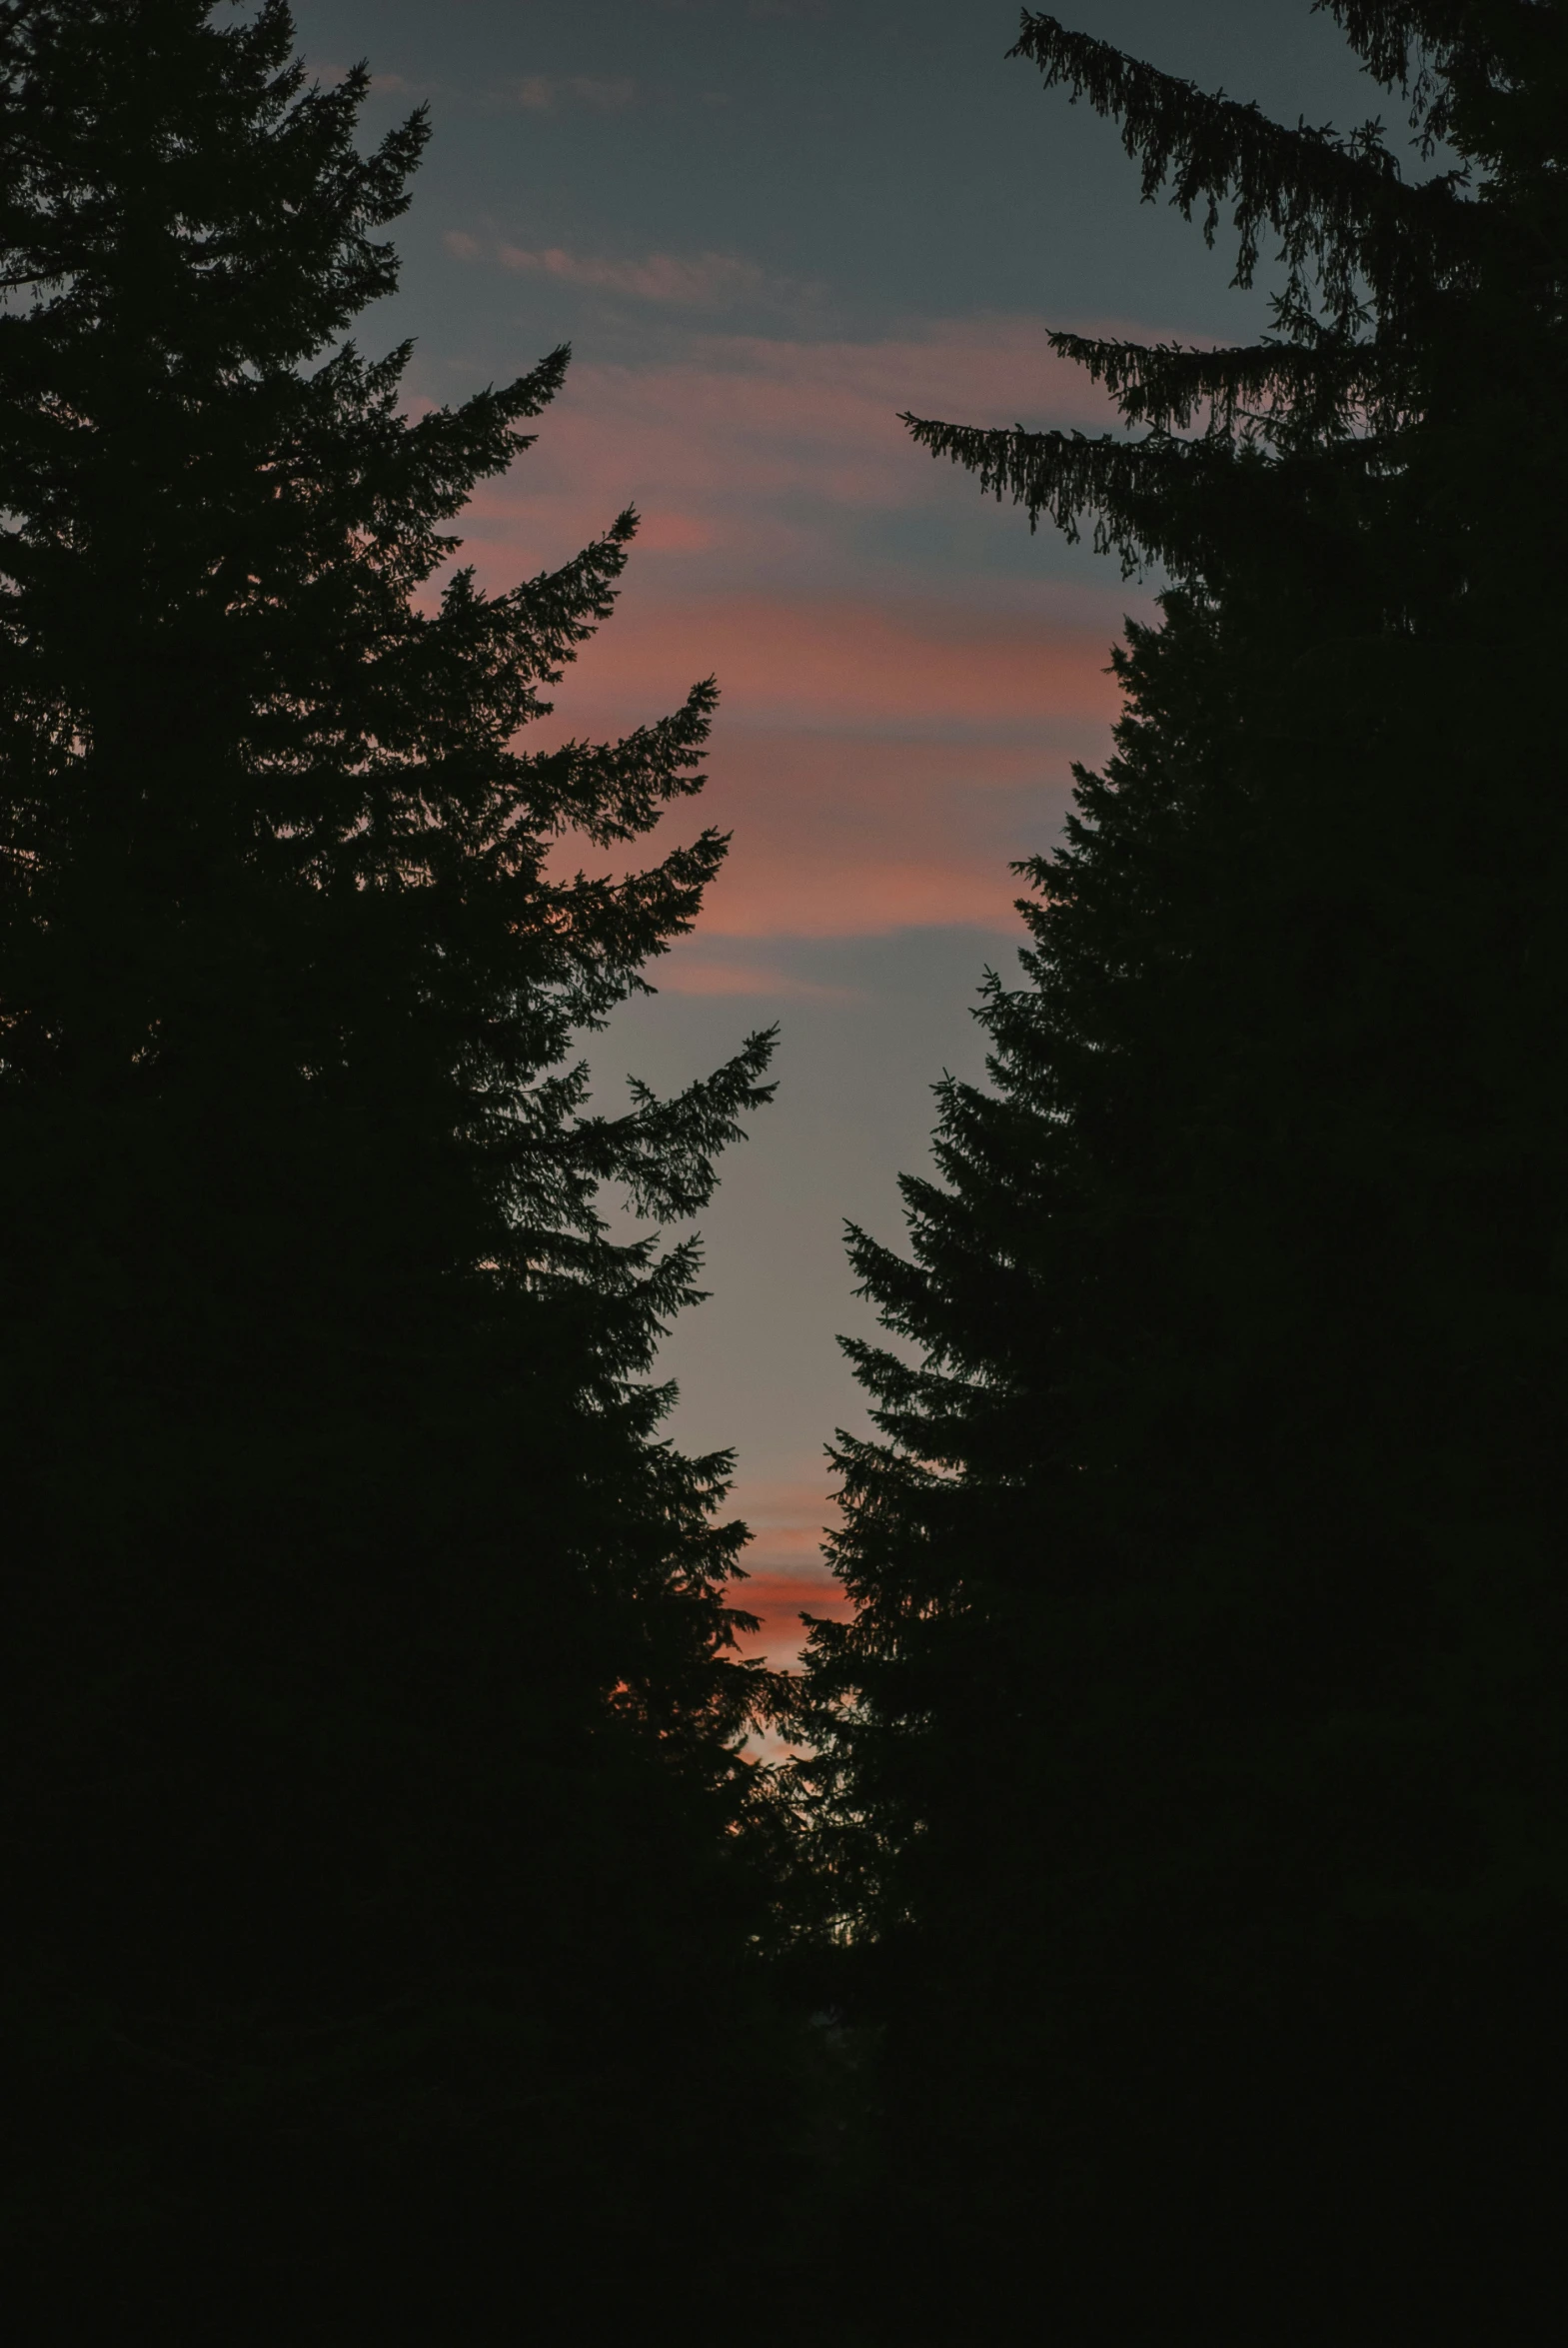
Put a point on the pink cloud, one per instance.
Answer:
(892, 732)
(903, 666)
(778, 1601)
(675, 534)
(878, 765)
(733, 977)
(747, 418)
(785, 1596)
(786, 1573)
(877, 769)
(786, 1519)
(840, 835)
(696, 281)
(541, 93)
(785, 1499)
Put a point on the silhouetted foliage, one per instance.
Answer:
(1191, 1780)
(375, 1811)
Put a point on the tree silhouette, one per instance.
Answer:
(1191, 1780)
(374, 1802)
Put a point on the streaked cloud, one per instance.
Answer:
(786, 1518)
(778, 1601)
(876, 769)
(689, 281)
(901, 669)
(894, 729)
(740, 428)
(786, 1573)
(690, 975)
(543, 93)
(838, 837)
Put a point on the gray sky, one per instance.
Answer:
(765, 226)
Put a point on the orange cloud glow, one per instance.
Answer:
(778, 1601)
(896, 666)
(738, 977)
(541, 93)
(837, 834)
(701, 280)
(745, 421)
(893, 731)
(787, 1574)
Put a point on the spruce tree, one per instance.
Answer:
(1191, 1783)
(375, 1811)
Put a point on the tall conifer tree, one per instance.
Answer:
(374, 1796)
(1194, 1775)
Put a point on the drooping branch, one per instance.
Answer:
(1460, 62)
(1322, 386)
(1342, 213)
(1066, 476)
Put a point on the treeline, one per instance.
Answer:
(1196, 1764)
(1164, 1933)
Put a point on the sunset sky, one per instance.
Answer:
(765, 227)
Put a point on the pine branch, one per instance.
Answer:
(663, 1150)
(668, 1147)
(1383, 32)
(1066, 476)
(1320, 388)
(1188, 505)
(617, 790)
(1459, 63)
(1338, 206)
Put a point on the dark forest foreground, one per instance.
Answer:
(1167, 1938)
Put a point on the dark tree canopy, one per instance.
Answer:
(1192, 1781)
(374, 1787)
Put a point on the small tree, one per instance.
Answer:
(1193, 1767)
(375, 1795)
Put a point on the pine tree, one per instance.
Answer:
(1192, 1783)
(375, 1797)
